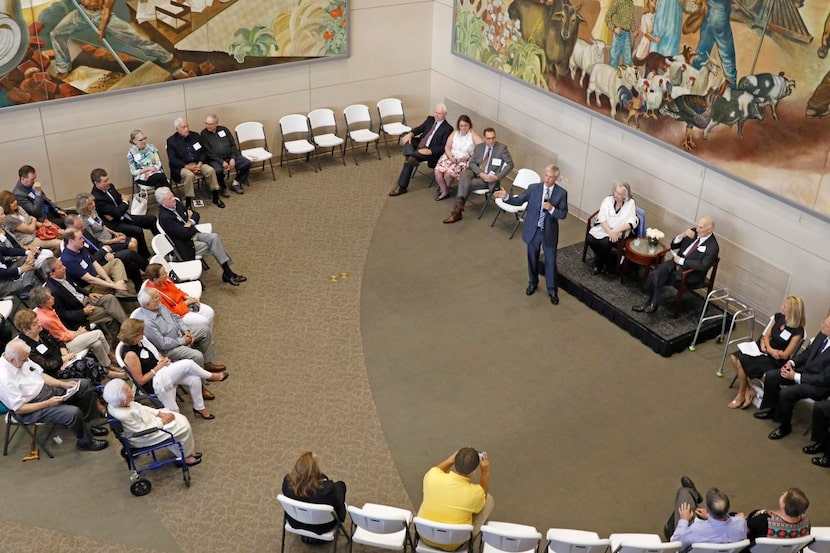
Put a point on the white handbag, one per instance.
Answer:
(139, 204)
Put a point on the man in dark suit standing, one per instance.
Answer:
(697, 249)
(491, 162)
(805, 376)
(547, 203)
(115, 210)
(424, 143)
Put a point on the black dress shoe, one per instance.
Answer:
(639, 308)
(219, 203)
(398, 191)
(813, 448)
(822, 461)
(764, 414)
(99, 431)
(239, 278)
(651, 308)
(207, 418)
(230, 280)
(687, 482)
(779, 433)
(554, 299)
(94, 445)
(530, 290)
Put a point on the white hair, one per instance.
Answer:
(162, 193)
(16, 348)
(115, 392)
(441, 107)
(145, 296)
(178, 122)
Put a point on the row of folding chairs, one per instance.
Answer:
(393, 528)
(304, 134)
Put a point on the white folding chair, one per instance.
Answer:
(6, 307)
(392, 120)
(324, 132)
(564, 540)
(296, 125)
(822, 536)
(179, 271)
(359, 128)
(440, 533)
(733, 547)
(642, 543)
(381, 526)
(253, 131)
(310, 513)
(524, 178)
(506, 537)
(781, 545)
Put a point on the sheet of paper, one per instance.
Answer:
(749, 348)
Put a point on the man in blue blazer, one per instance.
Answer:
(806, 375)
(547, 203)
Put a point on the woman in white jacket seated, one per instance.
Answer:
(136, 418)
(617, 217)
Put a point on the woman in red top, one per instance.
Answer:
(190, 309)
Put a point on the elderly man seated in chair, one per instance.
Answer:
(179, 224)
(37, 397)
(695, 249)
(709, 524)
(172, 337)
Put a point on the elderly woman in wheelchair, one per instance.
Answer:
(136, 418)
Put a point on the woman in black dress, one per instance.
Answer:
(777, 345)
(307, 483)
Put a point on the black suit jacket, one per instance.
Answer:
(67, 306)
(181, 236)
(439, 139)
(110, 212)
(698, 261)
(813, 365)
(10, 273)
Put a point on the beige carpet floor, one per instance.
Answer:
(381, 339)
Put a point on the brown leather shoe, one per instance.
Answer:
(397, 191)
(215, 367)
(455, 216)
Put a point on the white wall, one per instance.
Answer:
(765, 240)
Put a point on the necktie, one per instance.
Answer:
(426, 139)
(826, 343)
(485, 161)
(545, 198)
(691, 248)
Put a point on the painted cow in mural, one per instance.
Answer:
(768, 89)
(585, 56)
(554, 28)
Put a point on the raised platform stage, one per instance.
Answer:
(605, 294)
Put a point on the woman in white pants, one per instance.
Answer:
(192, 311)
(146, 366)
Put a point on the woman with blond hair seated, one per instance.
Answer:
(777, 345)
(617, 217)
(306, 482)
(190, 309)
(157, 374)
(135, 418)
(24, 228)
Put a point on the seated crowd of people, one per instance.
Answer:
(451, 497)
(77, 273)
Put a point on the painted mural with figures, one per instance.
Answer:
(743, 85)
(51, 49)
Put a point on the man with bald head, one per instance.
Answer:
(695, 249)
(424, 143)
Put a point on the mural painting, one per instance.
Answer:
(744, 85)
(53, 49)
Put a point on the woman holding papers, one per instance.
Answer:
(779, 342)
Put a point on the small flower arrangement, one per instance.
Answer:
(654, 236)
